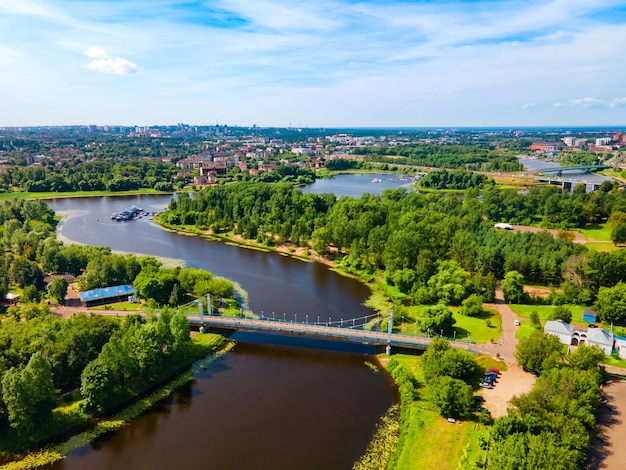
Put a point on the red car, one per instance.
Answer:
(495, 371)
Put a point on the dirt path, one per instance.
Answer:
(514, 381)
(578, 238)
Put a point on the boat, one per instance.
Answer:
(377, 180)
(131, 213)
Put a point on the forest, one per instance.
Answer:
(94, 175)
(101, 361)
(455, 180)
(470, 157)
(432, 248)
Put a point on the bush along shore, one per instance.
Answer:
(203, 350)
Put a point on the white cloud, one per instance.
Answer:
(586, 102)
(96, 52)
(113, 65)
(618, 102)
(558, 105)
(529, 105)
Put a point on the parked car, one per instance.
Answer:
(516, 322)
(478, 398)
(494, 370)
(485, 384)
(479, 409)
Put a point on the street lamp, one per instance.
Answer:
(454, 335)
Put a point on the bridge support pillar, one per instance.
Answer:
(389, 331)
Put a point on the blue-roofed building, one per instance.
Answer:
(106, 295)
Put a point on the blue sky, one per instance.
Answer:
(321, 63)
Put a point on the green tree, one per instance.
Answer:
(561, 312)
(453, 397)
(450, 283)
(442, 360)
(99, 384)
(472, 306)
(618, 227)
(586, 357)
(513, 287)
(57, 288)
(535, 320)
(536, 349)
(30, 294)
(611, 303)
(436, 319)
(29, 393)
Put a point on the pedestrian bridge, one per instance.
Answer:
(347, 330)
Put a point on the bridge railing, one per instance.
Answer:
(365, 323)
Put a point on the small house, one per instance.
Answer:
(602, 338)
(564, 331)
(589, 315)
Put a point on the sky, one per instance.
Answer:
(313, 63)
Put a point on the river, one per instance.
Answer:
(532, 163)
(273, 402)
(353, 185)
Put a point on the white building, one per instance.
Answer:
(602, 338)
(570, 336)
(564, 331)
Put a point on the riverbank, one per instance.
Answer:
(71, 194)
(306, 253)
(203, 345)
(428, 440)
(66, 215)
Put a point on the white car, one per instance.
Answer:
(516, 322)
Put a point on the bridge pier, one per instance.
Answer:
(389, 331)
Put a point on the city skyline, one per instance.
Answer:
(326, 64)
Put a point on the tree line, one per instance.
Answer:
(470, 157)
(432, 248)
(96, 175)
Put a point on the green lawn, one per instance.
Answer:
(52, 194)
(544, 311)
(430, 440)
(525, 329)
(476, 327)
(598, 237)
(119, 306)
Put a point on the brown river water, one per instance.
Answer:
(273, 402)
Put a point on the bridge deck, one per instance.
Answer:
(585, 168)
(320, 331)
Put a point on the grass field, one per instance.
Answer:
(52, 195)
(544, 311)
(431, 441)
(480, 329)
(598, 237)
(119, 306)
